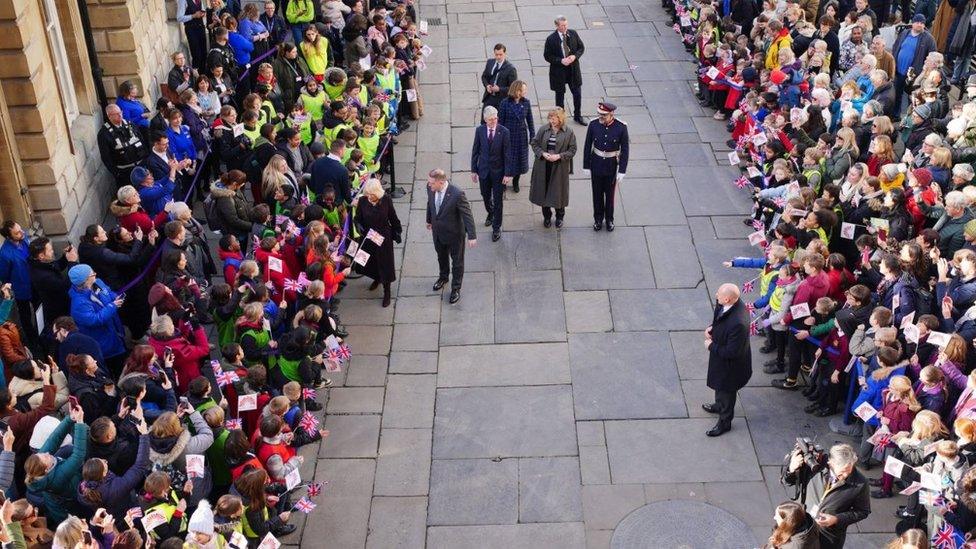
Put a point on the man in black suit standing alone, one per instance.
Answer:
(449, 219)
(562, 51)
(498, 75)
(729, 356)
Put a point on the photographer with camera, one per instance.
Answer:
(831, 488)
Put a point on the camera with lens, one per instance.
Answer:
(814, 456)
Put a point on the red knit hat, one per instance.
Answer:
(923, 176)
(777, 77)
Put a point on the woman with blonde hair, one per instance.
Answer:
(55, 480)
(553, 147)
(915, 538)
(170, 442)
(795, 528)
(897, 414)
(276, 175)
(376, 214)
(841, 155)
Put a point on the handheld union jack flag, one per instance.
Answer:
(314, 489)
(215, 366)
(749, 285)
(750, 308)
(753, 329)
(758, 225)
(233, 425)
(303, 280)
(226, 378)
(741, 183)
(344, 352)
(308, 394)
(305, 505)
(930, 498)
(332, 355)
(947, 538)
(677, 28)
(308, 422)
(292, 285)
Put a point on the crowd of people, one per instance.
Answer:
(160, 375)
(853, 126)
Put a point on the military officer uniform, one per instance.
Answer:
(121, 148)
(605, 154)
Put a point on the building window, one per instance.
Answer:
(59, 58)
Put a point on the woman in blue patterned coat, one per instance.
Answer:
(515, 113)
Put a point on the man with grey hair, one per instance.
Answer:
(952, 219)
(120, 145)
(491, 167)
(562, 51)
(729, 355)
(836, 495)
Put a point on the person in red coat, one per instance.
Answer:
(130, 214)
(274, 451)
(815, 285)
(189, 348)
(898, 412)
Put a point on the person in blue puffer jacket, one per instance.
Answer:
(95, 308)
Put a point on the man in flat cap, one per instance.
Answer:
(605, 155)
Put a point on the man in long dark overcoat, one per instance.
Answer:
(729, 355)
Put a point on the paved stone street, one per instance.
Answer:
(563, 392)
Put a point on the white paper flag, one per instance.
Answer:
(847, 230)
(247, 402)
(362, 256)
(800, 311)
(194, 465)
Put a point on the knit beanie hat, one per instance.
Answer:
(79, 274)
(138, 175)
(923, 176)
(202, 520)
(969, 229)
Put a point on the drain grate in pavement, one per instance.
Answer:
(683, 524)
(435, 22)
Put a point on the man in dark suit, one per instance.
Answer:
(729, 356)
(497, 77)
(562, 51)
(329, 171)
(837, 495)
(157, 161)
(491, 167)
(449, 219)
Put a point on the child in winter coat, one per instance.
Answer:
(274, 450)
(784, 288)
(930, 390)
(897, 414)
(160, 497)
(201, 533)
(254, 336)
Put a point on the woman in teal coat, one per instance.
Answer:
(54, 479)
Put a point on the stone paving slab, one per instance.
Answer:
(674, 257)
(587, 312)
(671, 309)
(500, 365)
(504, 422)
(549, 490)
(403, 464)
(624, 376)
(409, 401)
(397, 523)
(651, 201)
(473, 491)
(667, 450)
(621, 255)
(529, 307)
(472, 320)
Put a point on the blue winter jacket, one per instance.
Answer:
(873, 392)
(97, 317)
(156, 196)
(14, 269)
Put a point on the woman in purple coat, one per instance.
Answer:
(515, 113)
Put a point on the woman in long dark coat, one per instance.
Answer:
(515, 113)
(376, 212)
(554, 147)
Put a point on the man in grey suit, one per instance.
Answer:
(449, 219)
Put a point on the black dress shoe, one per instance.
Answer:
(559, 223)
(515, 187)
(284, 530)
(710, 408)
(580, 120)
(718, 430)
(609, 226)
(455, 296)
(547, 223)
(495, 236)
(374, 285)
(488, 221)
(440, 283)
(598, 226)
